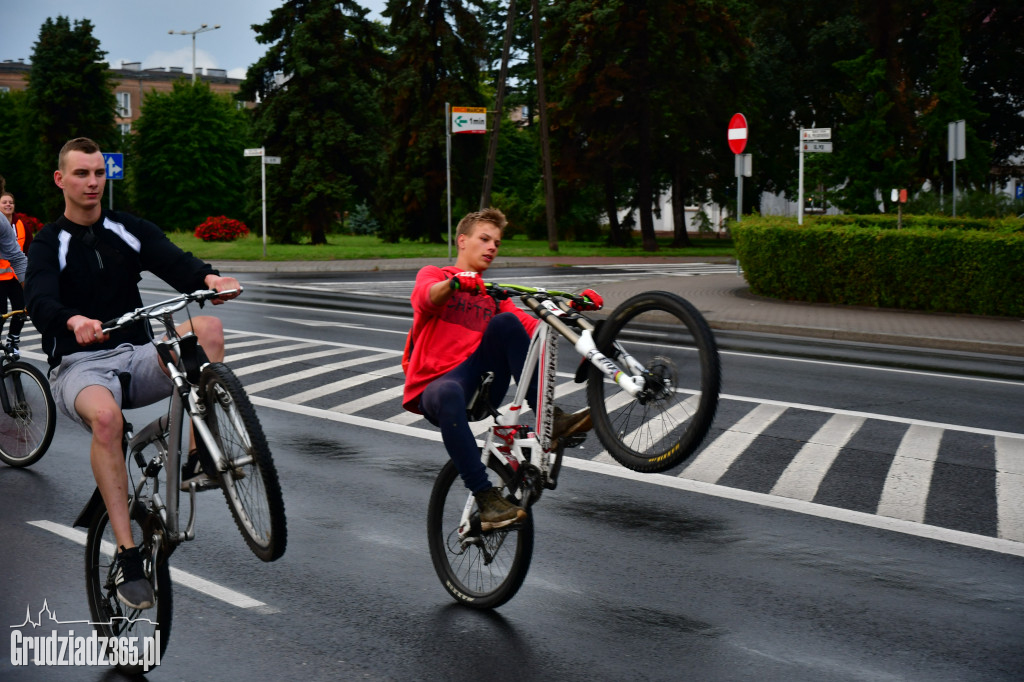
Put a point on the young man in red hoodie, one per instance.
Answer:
(458, 334)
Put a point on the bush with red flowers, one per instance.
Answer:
(32, 225)
(221, 229)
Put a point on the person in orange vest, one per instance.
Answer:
(10, 287)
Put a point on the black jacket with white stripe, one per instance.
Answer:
(94, 271)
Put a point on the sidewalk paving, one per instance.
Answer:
(725, 300)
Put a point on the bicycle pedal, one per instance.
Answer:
(573, 441)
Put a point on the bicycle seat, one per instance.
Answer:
(479, 405)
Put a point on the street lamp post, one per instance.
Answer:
(202, 29)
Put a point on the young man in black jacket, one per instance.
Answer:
(84, 269)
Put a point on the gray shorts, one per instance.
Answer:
(101, 368)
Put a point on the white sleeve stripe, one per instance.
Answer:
(126, 236)
(62, 253)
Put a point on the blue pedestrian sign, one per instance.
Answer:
(115, 165)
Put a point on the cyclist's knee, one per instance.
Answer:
(444, 400)
(210, 331)
(106, 423)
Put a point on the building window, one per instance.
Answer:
(124, 104)
(126, 128)
(4, 88)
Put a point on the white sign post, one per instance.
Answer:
(263, 188)
(810, 147)
(459, 120)
(956, 149)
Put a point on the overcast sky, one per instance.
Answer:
(138, 31)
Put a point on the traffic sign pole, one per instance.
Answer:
(804, 146)
(259, 151)
(448, 170)
(737, 137)
(800, 184)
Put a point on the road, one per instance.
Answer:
(900, 557)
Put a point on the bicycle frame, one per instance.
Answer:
(515, 444)
(181, 356)
(5, 399)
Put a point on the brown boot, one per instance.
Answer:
(496, 511)
(566, 424)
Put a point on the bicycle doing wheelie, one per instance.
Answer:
(29, 413)
(210, 398)
(652, 378)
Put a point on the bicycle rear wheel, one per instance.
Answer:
(484, 569)
(250, 482)
(667, 422)
(26, 428)
(112, 618)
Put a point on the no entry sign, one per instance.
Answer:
(738, 133)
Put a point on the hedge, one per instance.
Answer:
(863, 260)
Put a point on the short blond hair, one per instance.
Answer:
(488, 215)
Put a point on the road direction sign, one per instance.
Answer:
(271, 159)
(738, 133)
(816, 134)
(114, 163)
(469, 119)
(810, 147)
(254, 152)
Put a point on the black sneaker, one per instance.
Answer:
(130, 579)
(568, 428)
(496, 511)
(198, 471)
(11, 349)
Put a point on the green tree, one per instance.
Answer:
(436, 53)
(187, 161)
(633, 90)
(993, 54)
(69, 95)
(19, 153)
(320, 111)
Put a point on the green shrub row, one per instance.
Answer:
(938, 222)
(863, 260)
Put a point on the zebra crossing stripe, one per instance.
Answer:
(317, 371)
(341, 385)
(905, 493)
(712, 463)
(1010, 488)
(804, 474)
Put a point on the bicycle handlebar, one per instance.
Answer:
(171, 305)
(503, 291)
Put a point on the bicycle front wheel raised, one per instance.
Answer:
(481, 569)
(249, 481)
(147, 630)
(674, 351)
(30, 416)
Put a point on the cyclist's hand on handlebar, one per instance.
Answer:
(86, 330)
(591, 301)
(469, 282)
(218, 283)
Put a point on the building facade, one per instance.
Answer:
(130, 84)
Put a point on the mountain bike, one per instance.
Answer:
(652, 376)
(208, 396)
(29, 413)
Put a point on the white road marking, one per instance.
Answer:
(804, 474)
(905, 494)
(1001, 545)
(1010, 488)
(207, 587)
